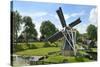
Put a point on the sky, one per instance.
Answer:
(40, 11)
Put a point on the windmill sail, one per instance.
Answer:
(61, 17)
(55, 37)
(75, 22)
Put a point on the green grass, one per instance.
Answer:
(37, 44)
(94, 49)
(41, 44)
(68, 59)
(38, 52)
(82, 52)
(60, 59)
(55, 59)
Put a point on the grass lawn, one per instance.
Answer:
(55, 58)
(37, 44)
(82, 52)
(68, 59)
(41, 44)
(38, 52)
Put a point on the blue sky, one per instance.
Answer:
(47, 11)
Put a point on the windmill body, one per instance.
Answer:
(68, 33)
(69, 43)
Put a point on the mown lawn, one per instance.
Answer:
(41, 44)
(38, 52)
(68, 59)
(37, 44)
(55, 58)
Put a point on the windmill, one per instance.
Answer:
(68, 33)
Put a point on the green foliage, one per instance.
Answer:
(47, 28)
(29, 26)
(81, 59)
(30, 30)
(38, 52)
(70, 59)
(77, 33)
(78, 36)
(46, 45)
(92, 32)
(32, 46)
(64, 59)
(20, 47)
(55, 59)
(55, 44)
(16, 24)
(38, 44)
(61, 59)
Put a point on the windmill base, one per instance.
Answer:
(67, 52)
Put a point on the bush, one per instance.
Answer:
(56, 44)
(46, 45)
(81, 59)
(20, 47)
(65, 60)
(32, 46)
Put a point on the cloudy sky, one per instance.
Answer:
(47, 11)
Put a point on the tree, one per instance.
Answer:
(42, 38)
(47, 28)
(16, 23)
(30, 30)
(92, 32)
(78, 36)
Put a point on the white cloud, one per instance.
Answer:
(34, 14)
(39, 14)
(77, 14)
(81, 27)
(22, 28)
(37, 27)
(92, 20)
(66, 16)
(93, 16)
(55, 16)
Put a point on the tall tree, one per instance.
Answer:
(16, 23)
(92, 32)
(47, 28)
(29, 28)
(78, 39)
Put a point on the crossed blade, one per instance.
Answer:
(59, 34)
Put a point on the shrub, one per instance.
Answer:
(65, 60)
(56, 44)
(81, 59)
(20, 47)
(46, 45)
(32, 46)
